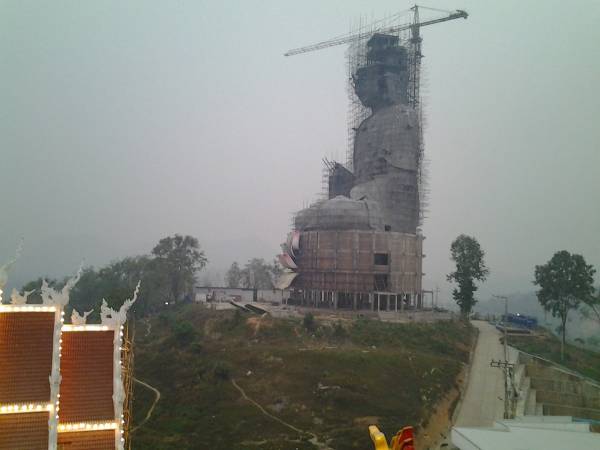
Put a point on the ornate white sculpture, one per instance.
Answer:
(18, 299)
(4, 269)
(116, 319)
(77, 319)
(111, 317)
(52, 297)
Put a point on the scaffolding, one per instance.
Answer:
(128, 367)
(356, 57)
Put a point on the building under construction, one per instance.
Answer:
(361, 247)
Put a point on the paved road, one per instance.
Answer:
(483, 402)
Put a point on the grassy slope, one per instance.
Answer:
(546, 345)
(389, 371)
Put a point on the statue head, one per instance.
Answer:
(383, 81)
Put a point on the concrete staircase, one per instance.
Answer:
(527, 404)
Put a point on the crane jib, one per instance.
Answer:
(458, 14)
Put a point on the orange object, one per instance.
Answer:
(404, 440)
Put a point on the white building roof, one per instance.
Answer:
(527, 434)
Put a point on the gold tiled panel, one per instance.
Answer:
(25, 356)
(28, 431)
(86, 367)
(87, 440)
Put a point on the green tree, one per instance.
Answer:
(233, 277)
(565, 281)
(258, 274)
(166, 276)
(592, 309)
(116, 281)
(179, 258)
(468, 256)
(184, 332)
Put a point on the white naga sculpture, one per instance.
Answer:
(116, 319)
(18, 299)
(4, 269)
(52, 297)
(78, 319)
(111, 317)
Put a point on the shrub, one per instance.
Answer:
(339, 331)
(309, 322)
(222, 370)
(184, 333)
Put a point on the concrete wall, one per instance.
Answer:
(273, 295)
(225, 294)
(562, 392)
(341, 181)
(344, 261)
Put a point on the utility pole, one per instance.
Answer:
(505, 365)
(502, 297)
(437, 294)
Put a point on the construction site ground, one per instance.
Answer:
(329, 314)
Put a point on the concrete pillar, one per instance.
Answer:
(371, 301)
(396, 303)
(354, 301)
(402, 297)
(335, 300)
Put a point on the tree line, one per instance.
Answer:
(167, 275)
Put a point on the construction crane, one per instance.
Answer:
(415, 54)
(414, 27)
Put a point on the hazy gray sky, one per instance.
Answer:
(123, 122)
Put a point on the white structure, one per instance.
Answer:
(116, 320)
(528, 433)
(243, 295)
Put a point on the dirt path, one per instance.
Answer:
(314, 439)
(151, 410)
